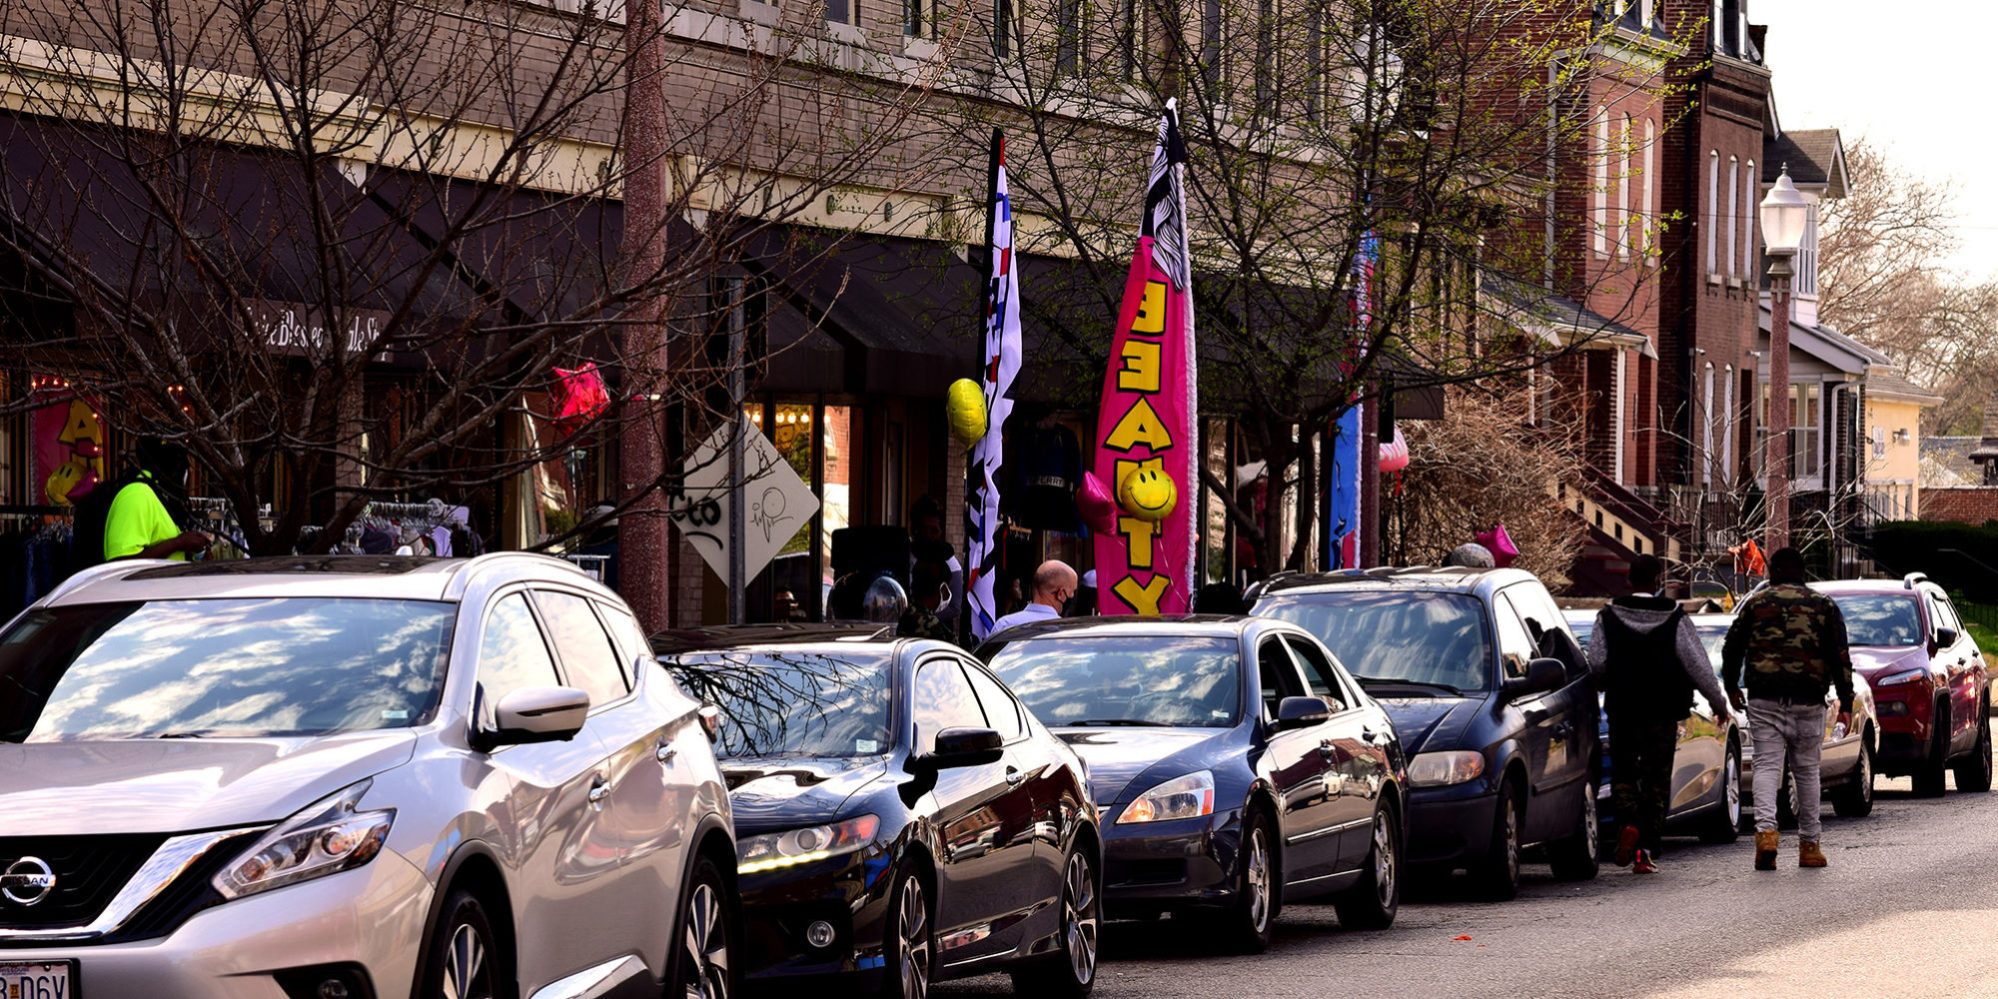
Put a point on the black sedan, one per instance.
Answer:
(900, 817)
(1235, 764)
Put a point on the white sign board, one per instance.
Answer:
(779, 503)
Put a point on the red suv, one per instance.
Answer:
(1930, 691)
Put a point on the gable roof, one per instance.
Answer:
(1888, 384)
(1815, 158)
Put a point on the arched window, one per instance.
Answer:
(1712, 221)
(1646, 213)
(1600, 214)
(1707, 429)
(1727, 431)
(1749, 201)
(1733, 209)
(1624, 153)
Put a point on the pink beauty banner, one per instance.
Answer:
(1144, 425)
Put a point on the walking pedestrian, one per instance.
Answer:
(1790, 643)
(1649, 659)
(1054, 583)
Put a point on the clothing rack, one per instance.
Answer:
(31, 510)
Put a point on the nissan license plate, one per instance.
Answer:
(36, 981)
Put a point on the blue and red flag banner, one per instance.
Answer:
(1001, 365)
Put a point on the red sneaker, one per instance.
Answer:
(1643, 864)
(1626, 844)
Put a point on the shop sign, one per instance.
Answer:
(282, 329)
(779, 503)
(69, 441)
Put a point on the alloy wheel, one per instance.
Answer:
(1256, 879)
(913, 936)
(706, 945)
(1384, 858)
(1080, 922)
(467, 970)
(1866, 775)
(1731, 792)
(1511, 844)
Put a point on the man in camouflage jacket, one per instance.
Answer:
(1792, 642)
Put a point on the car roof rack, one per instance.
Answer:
(1908, 581)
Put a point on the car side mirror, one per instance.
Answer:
(1945, 637)
(965, 747)
(537, 714)
(1300, 712)
(1542, 675)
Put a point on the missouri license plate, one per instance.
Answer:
(37, 981)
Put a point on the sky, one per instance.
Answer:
(1910, 75)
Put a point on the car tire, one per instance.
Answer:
(1931, 772)
(1246, 924)
(908, 938)
(1786, 801)
(1372, 903)
(1855, 799)
(1724, 826)
(1973, 773)
(1496, 877)
(463, 957)
(1579, 857)
(1070, 973)
(704, 960)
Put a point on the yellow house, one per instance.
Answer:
(1893, 445)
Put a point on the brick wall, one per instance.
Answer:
(1963, 504)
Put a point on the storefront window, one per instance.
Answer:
(836, 491)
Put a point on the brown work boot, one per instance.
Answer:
(1809, 854)
(1765, 850)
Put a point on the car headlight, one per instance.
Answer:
(1905, 676)
(771, 851)
(1445, 769)
(326, 837)
(1188, 797)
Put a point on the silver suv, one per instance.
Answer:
(353, 777)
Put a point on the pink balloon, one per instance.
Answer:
(1394, 454)
(1501, 546)
(1093, 501)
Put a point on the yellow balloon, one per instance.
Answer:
(1148, 494)
(964, 403)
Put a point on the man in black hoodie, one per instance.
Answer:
(1649, 660)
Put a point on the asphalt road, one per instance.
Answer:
(1908, 908)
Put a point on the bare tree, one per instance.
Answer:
(339, 248)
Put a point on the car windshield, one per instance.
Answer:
(1712, 636)
(1885, 620)
(1412, 637)
(1167, 680)
(778, 703)
(162, 669)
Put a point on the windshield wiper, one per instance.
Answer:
(1111, 723)
(1377, 681)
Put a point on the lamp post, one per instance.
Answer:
(1784, 213)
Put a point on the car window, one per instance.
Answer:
(589, 658)
(1002, 712)
(1438, 639)
(1318, 672)
(782, 702)
(512, 654)
(1544, 623)
(1173, 680)
(1946, 612)
(943, 700)
(632, 646)
(1278, 673)
(1516, 646)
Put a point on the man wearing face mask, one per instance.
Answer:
(138, 524)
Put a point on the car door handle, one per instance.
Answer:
(665, 752)
(1327, 749)
(600, 791)
(1014, 776)
(1372, 737)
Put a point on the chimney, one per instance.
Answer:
(1986, 452)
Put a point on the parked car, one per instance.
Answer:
(354, 776)
(902, 818)
(1491, 699)
(1236, 765)
(1931, 693)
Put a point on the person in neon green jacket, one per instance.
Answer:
(138, 524)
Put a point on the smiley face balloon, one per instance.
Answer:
(1148, 494)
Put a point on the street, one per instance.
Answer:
(1904, 910)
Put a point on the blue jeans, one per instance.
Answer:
(1792, 733)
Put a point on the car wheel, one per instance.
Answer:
(1855, 799)
(1071, 973)
(909, 940)
(1930, 772)
(1974, 773)
(1372, 903)
(1725, 824)
(1497, 876)
(704, 966)
(1246, 924)
(1578, 858)
(463, 960)
(1786, 801)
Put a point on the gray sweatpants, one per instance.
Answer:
(1796, 733)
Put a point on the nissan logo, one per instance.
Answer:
(27, 881)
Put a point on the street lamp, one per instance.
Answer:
(1784, 214)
